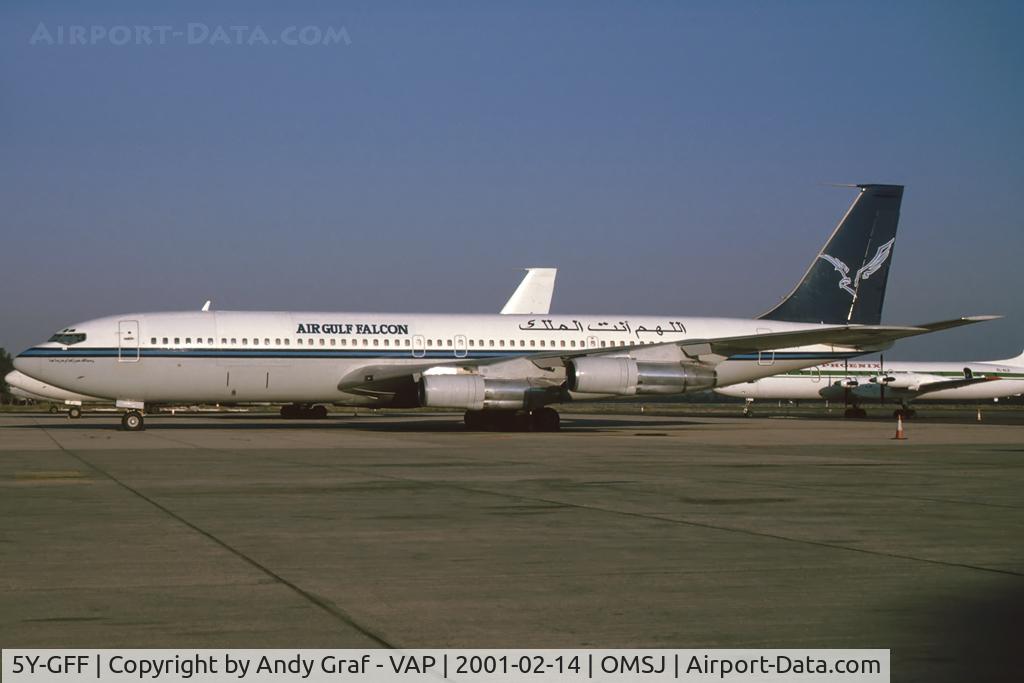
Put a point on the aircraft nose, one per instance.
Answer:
(27, 365)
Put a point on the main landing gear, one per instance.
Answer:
(855, 411)
(539, 420)
(132, 421)
(297, 411)
(904, 411)
(75, 412)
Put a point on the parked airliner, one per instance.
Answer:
(501, 369)
(531, 297)
(858, 381)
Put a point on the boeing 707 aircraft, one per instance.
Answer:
(503, 370)
(901, 381)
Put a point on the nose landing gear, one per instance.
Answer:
(132, 421)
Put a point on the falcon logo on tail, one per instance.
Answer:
(866, 271)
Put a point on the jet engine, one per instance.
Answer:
(626, 376)
(474, 392)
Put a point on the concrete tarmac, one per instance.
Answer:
(620, 531)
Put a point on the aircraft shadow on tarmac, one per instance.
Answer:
(376, 423)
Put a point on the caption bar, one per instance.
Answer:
(409, 666)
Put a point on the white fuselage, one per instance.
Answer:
(859, 379)
(229, 356)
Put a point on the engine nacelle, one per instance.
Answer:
(473, 392)
(626, 376)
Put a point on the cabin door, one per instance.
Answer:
(128, 341)
(765, 357)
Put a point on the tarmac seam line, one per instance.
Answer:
(640, 515)
(324, 605)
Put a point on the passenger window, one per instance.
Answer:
(344, 342)
(408, 343)
(245, 341)
(542, 343)
(449, 343)
(255, 341)
(573, 343)
(481, 342)
(266, 342)
(153, 340)
(223, 341)
(234, 341)
(277, 342)
(430, 342)
(533, 343)
(501, 343)
(376, 342)
(209, 340)
(366, 343)
(177, 340)
(602, 344)
(287, 342)
(334, 342)
(188, 340)
(471, 342)
(563, 343)
(322, 342)
(387, 342)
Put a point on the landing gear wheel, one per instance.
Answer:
(545, 420)
(855, 412)
(318, 412)
(74, 412)
(53, 409)
(132, 421)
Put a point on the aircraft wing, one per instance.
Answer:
(390, 377)
(931, 387)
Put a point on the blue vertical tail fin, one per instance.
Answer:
(846, 281)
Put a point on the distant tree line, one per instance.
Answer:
(6, 365)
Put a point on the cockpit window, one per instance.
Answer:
(68, 338)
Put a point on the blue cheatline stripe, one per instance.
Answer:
(262, 353)
(111, 352)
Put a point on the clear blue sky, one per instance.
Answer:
(668, 157)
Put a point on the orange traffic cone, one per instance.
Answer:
(899, 429)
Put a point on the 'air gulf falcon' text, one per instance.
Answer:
(351, 328)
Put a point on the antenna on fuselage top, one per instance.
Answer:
(206, 306)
